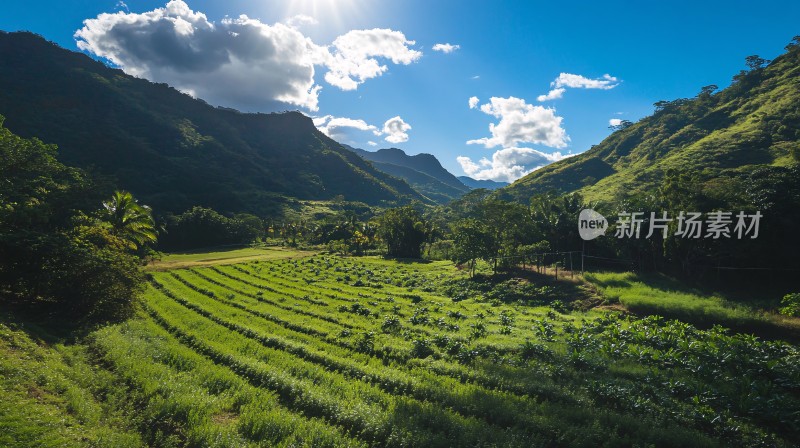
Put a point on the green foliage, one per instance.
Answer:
(54, 258)
(129, 220)
(204, 227)
(791, 305)
(404, 231)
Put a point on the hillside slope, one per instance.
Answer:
(171, 150)
(753, 123)
(483, 183)
(422, 171)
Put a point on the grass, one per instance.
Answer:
(333, 351)
(661, 295)
(230, 256)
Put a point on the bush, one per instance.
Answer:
(55, 259)
(791, 305)
(204, 227)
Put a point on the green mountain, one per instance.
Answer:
(715, 137)
(487, 184)
(422, 171)
(171, 150)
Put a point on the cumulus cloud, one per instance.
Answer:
(615, 122)
(353, 56)
(341, 128)
(446, 48)
(347, 129)
(508, 164)
(521, 123)
(238, 62)
(396, 130)
(558, 86)
(552, 95)
(581, 82)
(473, 102)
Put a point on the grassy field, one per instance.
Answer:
(229, 256)
(661, 295)
(327, 351)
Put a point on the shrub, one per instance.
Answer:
(791, 305)
(390, 324)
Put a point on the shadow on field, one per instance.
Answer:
(741, 310)
(407, 260)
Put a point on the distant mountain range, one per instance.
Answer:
(174, 151)
(422, 171)
(719, 139)
(487, 184)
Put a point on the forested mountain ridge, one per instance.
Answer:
(422, 171)
(717, 137)
(482, 183)
(171, 150)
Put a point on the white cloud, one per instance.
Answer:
(301, 19)
(446, 48)
(508, 164)
(521, 123)
(396, 130)
(606, 82)
(353, 56)
(347, 130)
(552, 95)
(473, 102)
(238, 62)
(476, 77)
(581, 82)
(121, 5)
(340, 128)
(615, 122)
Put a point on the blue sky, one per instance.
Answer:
(509, 51)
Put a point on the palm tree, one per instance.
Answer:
(129, 220)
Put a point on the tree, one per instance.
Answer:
(56, 258)
(204, 227)
(755, 62)
(404, 232)
(471, 241)
(624, 124)
(129, 220)
(794, 44)
(707, 91)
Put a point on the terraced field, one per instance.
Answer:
(327, 351)
(324, 351)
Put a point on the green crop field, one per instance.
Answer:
(329, 351)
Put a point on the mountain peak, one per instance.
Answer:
(172, 150)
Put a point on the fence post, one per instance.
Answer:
(583, 254)
(571, 271)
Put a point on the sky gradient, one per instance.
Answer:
(546, 77)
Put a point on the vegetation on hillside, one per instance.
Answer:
(173, 151)
(721, 137)
(329, 351)
(60, 253)
(421, 171)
